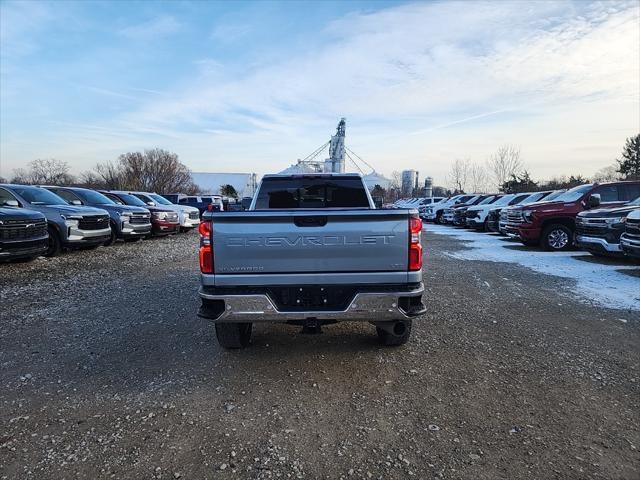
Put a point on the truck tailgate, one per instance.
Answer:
(310, 241)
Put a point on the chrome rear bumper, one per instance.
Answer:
(369, 306)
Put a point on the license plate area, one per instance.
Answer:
(311, 298)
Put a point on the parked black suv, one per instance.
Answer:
(23, 233)
(598, 231)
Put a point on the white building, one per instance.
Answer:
(374, 178)
(209, 182)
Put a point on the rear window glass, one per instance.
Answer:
(309, 192)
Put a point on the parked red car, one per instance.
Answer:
(163, 221)
(552, 224)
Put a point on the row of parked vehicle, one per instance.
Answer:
(215, 203)
(603, 219)
(44, 220)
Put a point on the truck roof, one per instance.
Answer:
(311, 175)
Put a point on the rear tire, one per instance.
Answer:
(55, 244)
(403, 329)
(233, 335)
(556, 238)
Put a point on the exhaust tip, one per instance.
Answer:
(399, 328)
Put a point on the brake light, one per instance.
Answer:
(204, 229)
(206, 248)
(415, 247)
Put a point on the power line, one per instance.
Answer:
(354, 162)
(361, 159)
(315, 153)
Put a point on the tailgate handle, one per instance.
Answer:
(319, 221)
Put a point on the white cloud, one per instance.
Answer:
(230, 32)
(406, 62)
(157, 27)
(18, 22)
(420, 84)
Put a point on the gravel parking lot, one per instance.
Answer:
(106, 372)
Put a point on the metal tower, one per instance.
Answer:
(335, 162)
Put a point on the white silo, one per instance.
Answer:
(428, 187)
(409, 182)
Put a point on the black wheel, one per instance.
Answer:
(439, 218)
(557, 237)
(113, 237)
(55, 244)
(233, 335)
(399, 335)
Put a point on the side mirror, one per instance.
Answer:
(593, 201)
(11, 203)
(151, 204)
(75, 202)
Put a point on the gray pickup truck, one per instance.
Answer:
(311, 250)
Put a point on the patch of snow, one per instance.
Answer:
(605, 285)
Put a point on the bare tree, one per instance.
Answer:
(20, 176)
(110, 175)
(47, 171)
(459, 174)
(90, 180)
(478, 178)
(154, 170)
(504, 164)
(396, 180)
(607, 174)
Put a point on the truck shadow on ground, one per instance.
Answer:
(348, 336)
(604, 260)
(630, 272)
(523, 248)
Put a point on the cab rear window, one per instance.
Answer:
(310, 192)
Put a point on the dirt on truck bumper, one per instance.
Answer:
(294, 303)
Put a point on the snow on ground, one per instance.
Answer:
(604, 284)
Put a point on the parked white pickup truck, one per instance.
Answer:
(311, 250)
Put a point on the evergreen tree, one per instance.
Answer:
(519, 184)
(629, 164)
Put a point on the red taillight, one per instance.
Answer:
(204, 229)
(206, 259)
(415, 248)
(206, 248)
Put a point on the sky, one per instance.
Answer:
(253, 86)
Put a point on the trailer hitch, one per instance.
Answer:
(311, 326)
